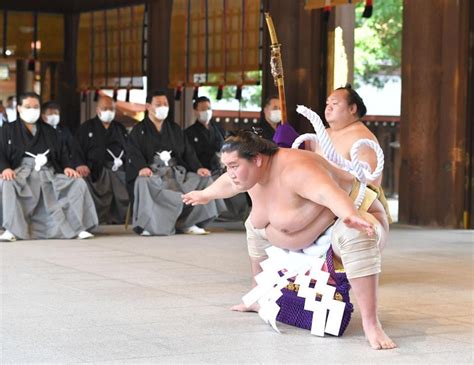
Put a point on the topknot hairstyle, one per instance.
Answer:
(354, 98)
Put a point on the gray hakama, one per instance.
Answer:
(44, 205)
(158, 207)
(103, 151)
(110, 195)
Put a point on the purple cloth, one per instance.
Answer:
(292, 310)
(285, 135)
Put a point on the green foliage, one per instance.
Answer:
(378, 43)
(251, 94)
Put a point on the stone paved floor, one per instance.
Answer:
(120, 298)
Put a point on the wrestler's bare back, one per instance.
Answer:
(291, 221)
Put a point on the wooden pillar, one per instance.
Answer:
(24, 78)
(159, 26)
(434, 118)
(49, 84)
(469, 181)
(158, 50)
(303, 36)
(340, 50)
(67, 94)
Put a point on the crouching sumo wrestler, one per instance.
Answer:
(296, 196)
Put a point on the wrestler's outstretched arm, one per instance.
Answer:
(222, 188)
(313, 182)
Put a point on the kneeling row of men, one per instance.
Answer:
(54, 185)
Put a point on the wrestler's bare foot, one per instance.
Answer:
(378, 339)
(243, 308)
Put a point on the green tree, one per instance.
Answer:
(378, 43)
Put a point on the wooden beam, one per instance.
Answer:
(63, 6)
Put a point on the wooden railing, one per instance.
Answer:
(234, 120)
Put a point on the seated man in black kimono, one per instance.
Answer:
(51, 114)
(205, 135)
(207, 138)
(271, 117)
(162, 165)
(101, 158)
(41, 196)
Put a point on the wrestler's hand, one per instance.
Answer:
(196, 197)
(71, 173)
(146, 172)
(357, 222)
(83, 170)
(8, 174)
(203, 172)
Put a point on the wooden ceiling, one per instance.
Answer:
(66, 6)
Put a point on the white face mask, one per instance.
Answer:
(275, 116)
(161, 112)
(30, 115)
(106, 116)
(205, 116)
(52, 120)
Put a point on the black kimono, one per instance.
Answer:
(267, 130)
(101, 149)
(207, 143)
(145, 141)
(158, 207)
(41, 202)
(70, 143)
(16, 139)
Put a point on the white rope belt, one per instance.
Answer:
(40, 159)
(360, 169)
(117, 160)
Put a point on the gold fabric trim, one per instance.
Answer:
(371, 194)
(295, 287)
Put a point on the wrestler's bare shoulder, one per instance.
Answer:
(288, 161)
(291, 160)
(352, 133)
(296, 167)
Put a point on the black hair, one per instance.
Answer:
(354, 98)
(201, 99)
(270, 98)
(248, 145)
(50, 105)
(27, 95)
(151, 95)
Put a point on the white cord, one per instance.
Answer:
(360, 169)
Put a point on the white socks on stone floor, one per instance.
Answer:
(195, 230)
(7, 236)
(84, 235)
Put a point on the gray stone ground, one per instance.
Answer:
(121, 298)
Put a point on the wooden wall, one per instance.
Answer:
(434, 116)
